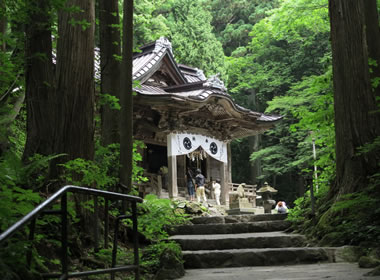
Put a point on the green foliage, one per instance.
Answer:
(82, 23)
(150, 258)
(286, 70)
(83, 172)
(370, 147)
(233, 20)
(15, 203)
(194, 43)
(104, 171)
(149, 23)
(158, 215)
(18, 198)
(137, 170)
(351, 220)
(123, 256)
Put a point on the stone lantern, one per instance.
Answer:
(266, 193)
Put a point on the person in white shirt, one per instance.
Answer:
(216, 188)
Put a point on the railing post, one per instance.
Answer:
(96, 221)
(114, 249)
(29, 254)
(106, 223)
(64, 236)
(135, 241)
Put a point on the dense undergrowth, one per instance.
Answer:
(351, 219)
(22, 187)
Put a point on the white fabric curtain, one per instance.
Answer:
(185, 143)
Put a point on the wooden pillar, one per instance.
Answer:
(229, 163)
(159, 186)
(172, 170)
(181, 171)
(172, 166)
(224, 196)
(208, 168)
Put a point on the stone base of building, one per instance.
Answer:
(243, 211)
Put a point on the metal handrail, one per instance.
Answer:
(62, 193)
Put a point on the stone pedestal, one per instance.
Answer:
(239, 205)
(268, 205)
(266, 193)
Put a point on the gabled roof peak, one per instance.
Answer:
(214, 82)
(163, 42)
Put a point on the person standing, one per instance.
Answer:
(200, 186)
(190, 183)
(216, 188)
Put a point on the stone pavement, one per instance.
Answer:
(330, 271)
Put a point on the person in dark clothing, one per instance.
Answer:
(190, 183)
(200, 186)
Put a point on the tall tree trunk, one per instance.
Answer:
(355, 122)
(110, 68)
(373, 38)
(75, 91)
(75, 80)
(39, 79)
(255, 166)
(126, 119)
(3, 24)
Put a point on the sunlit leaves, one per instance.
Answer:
(286, 68)
(149, 25)
(193, 41)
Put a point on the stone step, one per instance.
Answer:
(239, 241)
(326, 271)
(238, 219)
(222, 228)
(255, 257)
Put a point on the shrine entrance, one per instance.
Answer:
(197, 160)
(156, 156)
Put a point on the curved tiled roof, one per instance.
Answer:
(147, 61)
(201, 95)
(192, 75)
(193, 87)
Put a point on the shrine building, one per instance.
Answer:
(186, 119)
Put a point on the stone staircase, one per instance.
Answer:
(245, 240)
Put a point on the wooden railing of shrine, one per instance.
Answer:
(249, 191)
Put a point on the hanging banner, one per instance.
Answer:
(185, 143)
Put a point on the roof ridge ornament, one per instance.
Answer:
(200, 74)
(215, 82)
(163, 42)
